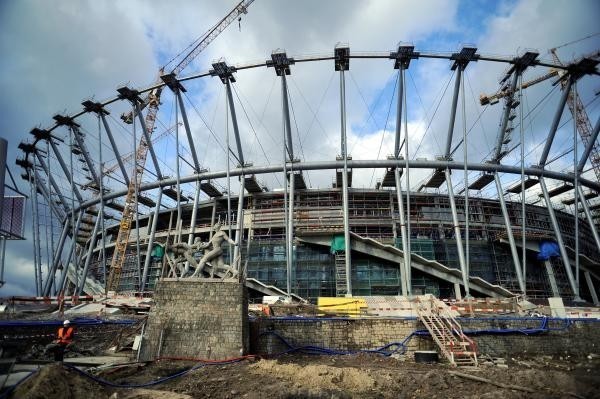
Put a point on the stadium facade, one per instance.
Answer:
(373, 214)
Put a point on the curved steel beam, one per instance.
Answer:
(356, 164)
(314, 58)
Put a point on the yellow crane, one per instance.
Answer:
(584, 126)
(152, 102)
(127, 157)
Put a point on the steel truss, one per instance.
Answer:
(73, 216)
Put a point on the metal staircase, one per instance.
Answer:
(341, 288)
(460, 350)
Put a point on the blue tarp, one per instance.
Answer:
(548, 249)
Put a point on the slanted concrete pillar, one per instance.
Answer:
(588, 279)
(552, 278)
(457, 293)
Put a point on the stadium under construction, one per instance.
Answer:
(483, 228)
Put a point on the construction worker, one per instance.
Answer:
(64, 338)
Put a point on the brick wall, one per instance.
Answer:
(200, 318)
(575, 338)
(332, 333)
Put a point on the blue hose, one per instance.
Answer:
(145, 384)
(151, 383)
(386, 350)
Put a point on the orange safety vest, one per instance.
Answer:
(65, 335)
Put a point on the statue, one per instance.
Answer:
(215, 255)
(182, 252)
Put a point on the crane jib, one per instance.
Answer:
(152, 101)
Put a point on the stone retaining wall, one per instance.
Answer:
(332, 333)
(563, 337)
(578, 337)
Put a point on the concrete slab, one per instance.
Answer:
(96, 360)
(92, 308)
(26, 367)
(13, 378)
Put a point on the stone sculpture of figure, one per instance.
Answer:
(183, 251)
(215, 255)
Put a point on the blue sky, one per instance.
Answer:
(55, 54)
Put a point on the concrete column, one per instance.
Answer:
(551, 278)
(457, 292)
(588, 279)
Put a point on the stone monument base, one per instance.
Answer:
(197, 318)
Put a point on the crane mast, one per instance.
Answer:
(584, 126)
(582, 120)
(152, 102)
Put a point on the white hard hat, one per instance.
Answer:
(66, 323)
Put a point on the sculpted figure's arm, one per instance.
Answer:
(229, 240)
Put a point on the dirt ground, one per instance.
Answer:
(315, 377)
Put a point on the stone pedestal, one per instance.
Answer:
(197, 318)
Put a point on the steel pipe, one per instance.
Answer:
(509, 233)
(555, 122)
(459, 245)
(150, 242)
(561, 245)
(353, 164)
(88, 259)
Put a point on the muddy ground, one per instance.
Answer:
(356, 376)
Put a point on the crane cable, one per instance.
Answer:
(298, 134)
(251, 126)
(385, 126)
(318, 106)
(260, 120)
(372, 110)
(575, 41)
(209, 128)
(435, 111)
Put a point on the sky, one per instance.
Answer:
(57, 54)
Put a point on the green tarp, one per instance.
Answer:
(338, 243)
(158, 251)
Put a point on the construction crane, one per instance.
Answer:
(127, 157)
(582, 120)
(152, 101)
(584, 126)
